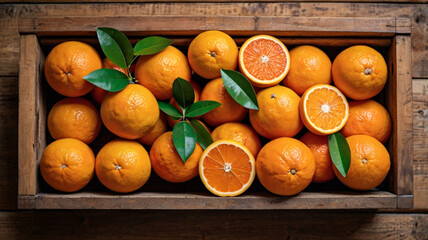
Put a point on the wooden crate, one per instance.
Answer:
(392, 35)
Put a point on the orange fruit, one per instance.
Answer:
(370, 163)
(123, 165)
(67, 64)
(159, 128)
(360, 72)
(211, 51)
(323, 164)
(97, 93)
(131, 112)
(285, 166)
(278, 114)
(167, 163)
(264, 60)
(309, 66)
(238, 132)
(227, 168)
(157, 72)
(367, 117)
(74, 118)
(323, 109)
(196, 90)
(228, 111)
(67, 164)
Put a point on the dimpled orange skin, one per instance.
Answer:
(67, 164)
(368, 117)
(67, 64)
(278, 114)
(131, 112)
(277, 161)
(211, 51)
(157, 130)
(97, 93)
(167, 163)
(309, 66)
(323, 164)
(228, 111)
(123, 165)
(157, 72)
(370, 163)
(360, 72)
(74, 118)
(238, 132)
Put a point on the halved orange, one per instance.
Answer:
(264, 60)
(227, 168)
(323, 109)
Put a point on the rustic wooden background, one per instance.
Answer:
(15, 224)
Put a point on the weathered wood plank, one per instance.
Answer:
(210, 1)
(234, 25)
(173, 225)
(8, 142)
(32, 114)
(176, 201)
(420, 139)
(9, 15)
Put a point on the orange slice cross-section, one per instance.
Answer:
(227, 168)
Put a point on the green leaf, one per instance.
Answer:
(202, 135)
(200, 108)
(183, 92)
(116, 46)
(184, 138)
(108, 79)
(339, 152)
(238, 86)
(151, 45)
(170, 110)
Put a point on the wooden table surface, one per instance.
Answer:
(15, 224)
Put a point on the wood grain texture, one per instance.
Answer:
(210, 1)
(8, 142)
(9, 14)
(192, 201)
(420, 139)
(210, 225)
(32, 114)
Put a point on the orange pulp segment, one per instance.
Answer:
(227, 168)
(264, 60)
(324, 109)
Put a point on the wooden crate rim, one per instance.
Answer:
(236, 25)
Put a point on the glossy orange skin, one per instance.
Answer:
(370, 163)
(67, 64)
(157, 72)
(159, 128)
(278, 114)
(323, 164)
(279, 159)
(368, 117)
(123, 165)
(131, 112)
(167, 163)
(360, 72)
(238, 132)
(97, 93)
(309, 66)
(67, 164)
(228, 111)
(74, 118)
(211, 51)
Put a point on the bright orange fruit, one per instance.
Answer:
(264, 60)
(227, 168)
(323, 109)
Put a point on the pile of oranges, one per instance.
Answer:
(295, 97)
